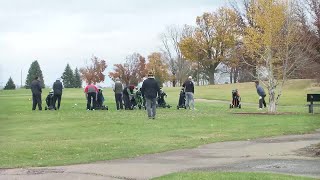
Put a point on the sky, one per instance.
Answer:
(57, 32)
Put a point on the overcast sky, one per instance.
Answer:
(57, 32)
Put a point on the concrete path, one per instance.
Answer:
(277, 154)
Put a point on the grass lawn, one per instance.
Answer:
(74, 135)
(229, 176)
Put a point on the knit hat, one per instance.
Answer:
(150, 73)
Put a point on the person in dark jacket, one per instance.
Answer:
(100, 99)
(57, 93)
(189, 93)
(118, 88)
(261, 94)
(150, 90)
(36, 90)
(126, 98)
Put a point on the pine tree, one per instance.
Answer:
(67, 77)
(77, 79)
(10, 84)
(34, 71)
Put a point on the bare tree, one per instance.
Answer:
(178, 66)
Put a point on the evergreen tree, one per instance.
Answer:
(10, 84)
(67, 77)
(77, 79)
(34, 71)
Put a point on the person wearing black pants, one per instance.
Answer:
(57, 93)
(91, 95)
(36, 90)
(119, 104)
(126, 99)
(261, 94)
(91, 98)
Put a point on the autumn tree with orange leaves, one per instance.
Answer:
(212, 41)
(93, 73)
(157, 64)
(132, 71)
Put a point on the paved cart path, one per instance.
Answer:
(278, 154)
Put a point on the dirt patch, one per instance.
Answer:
(265, 113)
(310, 151)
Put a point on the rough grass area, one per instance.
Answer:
(229, 176)
(73, 135)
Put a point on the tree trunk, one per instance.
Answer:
(231, 73)
(211, 77)
(272, 87)
(235, 75)
(211, 72)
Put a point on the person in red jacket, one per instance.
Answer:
(91, 92)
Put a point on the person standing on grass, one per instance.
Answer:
(126, 98)
(36, 90)
(189, 93)
(118, 88)
(91, 92)
(150, 90)
(261, 94)
(57, 93)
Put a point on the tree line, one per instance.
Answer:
(266, 40)
(243, 40)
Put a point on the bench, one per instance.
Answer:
(313, 98)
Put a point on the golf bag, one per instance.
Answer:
(50, 101)
(139, 99)
(182, 100)
(161, 101)
(132, 97)
(100, 101)
(236, 99)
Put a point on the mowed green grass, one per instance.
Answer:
(229, 176)
(294, 92)
(73, 135)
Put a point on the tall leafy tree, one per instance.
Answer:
(212, 40)
(77, 79)
(132, 71)
(68, 77)
(160, 68)
(277, 40)
(10, 85)
(94, 73)
(34, 71)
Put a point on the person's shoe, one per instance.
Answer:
(260, 109)
(153, 118)
(88, 109)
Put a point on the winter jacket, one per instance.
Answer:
(118, 88)
(150, 88)
(260, 91)
(189, 86)
(57, 88)
(91, 89)
(36, 87)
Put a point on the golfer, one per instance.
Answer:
(189, 90)
(261, 94)
(150, 90)
(36, 90)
